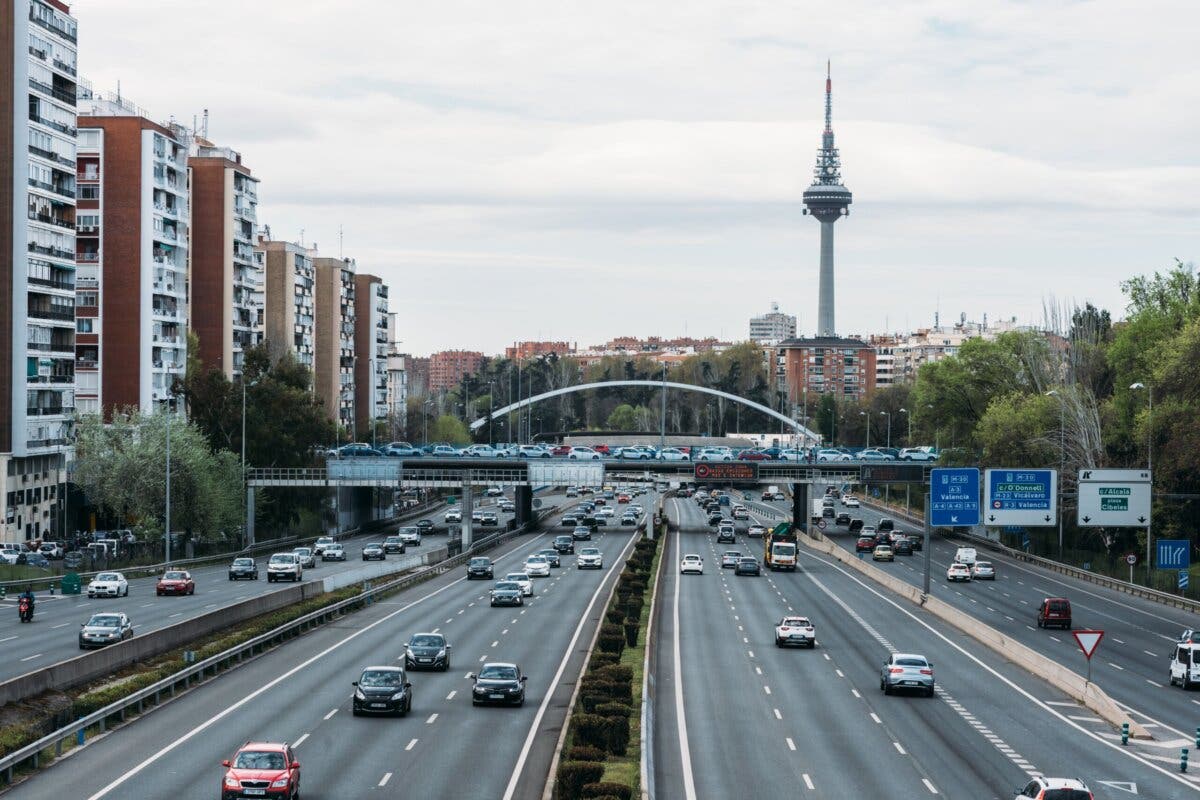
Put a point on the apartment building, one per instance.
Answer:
(449, 367)
(289, 319)
(333, 359)
(772, 327)
(38, 44)
(524, 350)
(132, 243)
(842, 367)
(416, 369)
(371, 349)
(226, 278)
(397, 381)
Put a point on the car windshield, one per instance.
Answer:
(107, 576)
(175, 576)
(492, 672)
(796, 622)
(243, 562)
(562, 539)
(507, 586)
(748, 560)
(589, 551)
(911, 662)
(375, 545)
(393, 538)
(380, 678)
(104, 621)
(733, 554)
(281, 558)
(480, 562)
(254, 759)
(409, 530)
(427, 640)
(516, 576)
(983, 565)
(324, 540)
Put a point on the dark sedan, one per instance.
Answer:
(902, 546)
(245, 568)
(629, 519)
(564, 544)
(842, 519)
(501, 684)
(425, 525)
(393, 544)
(479, 567)
(374, 551)
(747, 566)
(582, 533)
(427, 651)
(382, 690)
(507, 593)
(552, 556)
(714, 519)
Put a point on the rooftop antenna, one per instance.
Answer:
(302, 237)
(206, 123)
(340, 242)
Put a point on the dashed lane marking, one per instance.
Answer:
(808, 782)
(899, 748)
(791, 745)
(412, 743)
(777, 714)
(300, 741)
(929, 785)
(432, 718)
(387, 776)
(330, 714)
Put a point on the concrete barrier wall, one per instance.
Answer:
(93, 664)
(1065, 680)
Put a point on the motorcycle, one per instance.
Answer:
(25, 610)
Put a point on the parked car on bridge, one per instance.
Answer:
(401, 450)
(714, 454)
(481, 451)
(673, 454)
(832, 455)
(874, 455)
(581, 453)
(917, 454)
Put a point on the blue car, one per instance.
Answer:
(401, 450)
(357, 451)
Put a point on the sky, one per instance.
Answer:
(551, 169)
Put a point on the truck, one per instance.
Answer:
(780, 547)
(818, 510)
(772, 493)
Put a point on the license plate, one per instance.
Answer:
(425, 660)
(496, 696)
(378, 705)
(254, 792)
(912, 683)
(799, 637)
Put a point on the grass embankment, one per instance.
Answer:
(601, 755)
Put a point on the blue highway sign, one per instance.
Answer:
(1174, 553)
(954, 496)
(1021, 497)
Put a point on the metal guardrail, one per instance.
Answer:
(77, 729)
(267, 546)
(1116, 584)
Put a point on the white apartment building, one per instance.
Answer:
(37, 262)
(397, 380)
(773, 327)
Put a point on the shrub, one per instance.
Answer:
(573, 775)
(609, 629)
(611, 689)
(631, 633)
(613, 672)
(611, 709)
(600, 659)
(583, 752)
(594, 791)
(592, 730)
(614, 616)
(618, 734)
(589, 700)
(611, 644)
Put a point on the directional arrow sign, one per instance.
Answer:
(1026, 497)
(1117, 498)
(1088, 641)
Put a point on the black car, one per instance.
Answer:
(489, 519)
(393, 544)
(243, 568)
(747, 566)
(714, 519)
(902, 546)
(842, 519)
(582, 533)
(856, 525)
(479, 567)
(886, 524)
(552, 556)
(73, 560)
(498, 683)
(564, 544)
(569, 521)
(374, 552)
(427, 651)
(382, 690)
(507, 593)
(917, 541)
(425, 525)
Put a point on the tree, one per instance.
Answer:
(122, 467)
(1017, 429)
(622, 418)
(449, 429)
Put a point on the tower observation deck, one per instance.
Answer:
(827, 200)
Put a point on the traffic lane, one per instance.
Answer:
(1131, 657)
(772, 701)
(51, 637)
(669, 759)
(272, 696)
(1015, 724)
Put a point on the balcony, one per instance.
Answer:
(52, 283)
(58, 126)
(52, 187)
(61, 95)
(49, 219)
(63, 380)
(61, 313)
(50, 26)
(86, 257)
(49, 411)
(168, 313)
(52, 347)
(64, 66)
(46, 250)
(50, 155)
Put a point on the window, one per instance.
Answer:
(84, 324)
(89, 192)
(88, 298)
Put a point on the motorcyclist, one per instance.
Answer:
(27, 596)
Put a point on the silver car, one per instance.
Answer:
(907, 671)
(104, 629)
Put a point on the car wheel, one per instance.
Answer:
(778, 642)
(932, 691)
(1170, 678)
(356, 712)
(127, 595)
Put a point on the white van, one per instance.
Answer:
(965, 555)
(1185, 665)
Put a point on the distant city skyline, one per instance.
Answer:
(994, 168)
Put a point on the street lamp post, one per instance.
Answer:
(907, 443)
(865, 416)
(888, 414)
(662, 426)
(1062, 461)
(1149, 459)
(245, 503)
(167, 509)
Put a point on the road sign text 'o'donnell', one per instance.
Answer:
(726, 471)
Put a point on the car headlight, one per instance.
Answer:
(279, 784)
(358, 695)
(398, 696)
(441, 653)
(232, 782)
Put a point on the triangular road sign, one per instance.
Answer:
(1088, 641)
(1124, 786)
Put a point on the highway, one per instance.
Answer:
(52, 636)
(301, 692)
(1131, 662)
(731, 711)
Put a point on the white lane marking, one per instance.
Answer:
(451, 695)
(266, 687)
(431, 719)
(1056, 639)
(826, 656)
(411, 744)
(387, 776)
(932, 789)
(8, 638)
(504, 631)
(758, 670)
(791, 745)
(751, 652)
(173, 616)
(840, 674)
(767, 689)
(435, 630)
(467, 676)
(65, 624)
(32, 657)
(1147, 652)
(899, 749)
(449, 621)
(1116, 666)
(808, 782)
(300, 741)
(483, 657)
(777, 714)
(855, 693)
(875, 717)
(496, 643)
(1118, 641)
(330, 714)
(146, 605)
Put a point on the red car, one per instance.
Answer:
(623, 498)
(175, 581)
(602, 449)
(560, 450)
(753, 455)
(261, 769)
(865, 544)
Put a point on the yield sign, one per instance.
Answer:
(1088, 641)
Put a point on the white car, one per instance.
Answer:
(756, 531)
(792, 454)
(523, 579)
(740, 512)
(410, 535)
(481, 451)
(673, 454)
(537, 567)
(453, 515)
(795, 630)
(966, 555)
(850, 501)
(715, 454)
(334, 552)
(958, 572)
(320, 545)
(108, 584)
(917, 454)
(832, 455)
(583, 454)
(10, 554)
(606, 511)
(691, 563)
(590, 558)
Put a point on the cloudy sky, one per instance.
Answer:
(577, 171)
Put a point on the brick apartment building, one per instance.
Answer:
(449, 367)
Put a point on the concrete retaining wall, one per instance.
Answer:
(1058, 676)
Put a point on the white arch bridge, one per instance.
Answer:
(685, 387)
